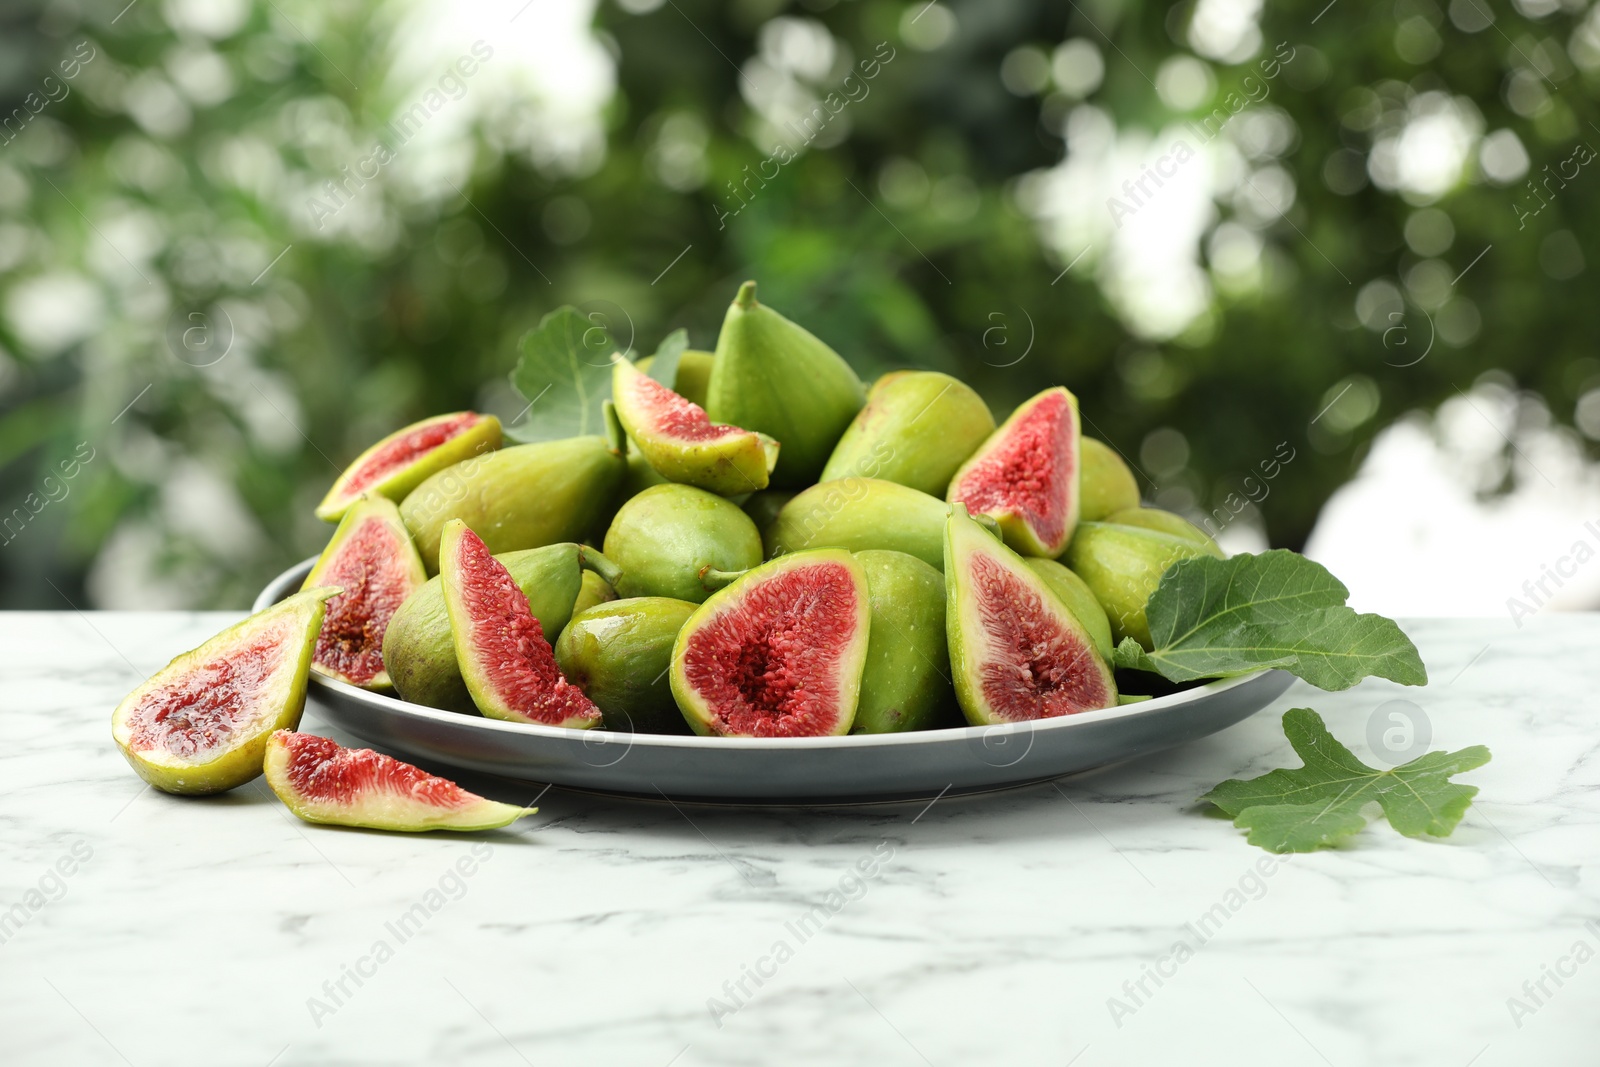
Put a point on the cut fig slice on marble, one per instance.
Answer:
(372, 559)
(1026, 475)
(506, 662)
(779, 652)
(200, 724)
(323, 782)
(682, 443)
(403, 460)
(1016, 651)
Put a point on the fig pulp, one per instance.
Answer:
(1026, 475)
(1122, 565)
(1106, 484)
(693, 377)
(859, 514)
(1016, 652)
(1079, 599)
(618, 654)
(917, 429)
(372, 559)
(774, 377)
(400, 462)
(419, 650)
(520, 497)
(905, 684)
(322, 782)
(508, 666)
(779, 652)
(200, 724)
(682, 444)
(667, 539)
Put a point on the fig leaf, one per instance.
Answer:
(1216, 618)
(1303, 809)
(664, 366)
(564, 372)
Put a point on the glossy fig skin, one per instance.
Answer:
(618, 653)
(773, 376)
(906, 682)
(1122, 565)
(481, 436)
(736, 461)
(526, 496)
(595, 590)
(1163, 521)
(668, 537)
(419, 650)
(860, 514)
(1105, 483)
(917, 429)
(1079, 599)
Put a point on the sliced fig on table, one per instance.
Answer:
(200, 724)
(400, 462)
(1026, 475)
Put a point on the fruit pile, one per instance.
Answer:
(782, 553)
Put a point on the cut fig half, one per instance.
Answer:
(682, 443)
(778, 653)
(1025, 476)
(372, 559)
(506, 662)
(323, 782)
(200, 724)
(1016, 651)
(406, 458)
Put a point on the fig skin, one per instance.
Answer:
(241, 762)
(1079, 599)
(526, 496)
(1122, 565)
(860, 514)
(774, 377)
(763, 507)
(1018, 532)
(963, 538)
(593, 590)
(906, 682)
(482, 437)
(1164, 521)
(1105, 483)
(419, 649)
(369, 506)
(737, 463)
(618, 653)
(917, 429)
(667, 539)
(693, 377)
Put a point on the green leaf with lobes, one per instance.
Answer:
(1216, 618)
(564, 372)
(1320, 803)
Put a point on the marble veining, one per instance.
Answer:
(1102, 919)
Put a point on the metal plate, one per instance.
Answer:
(803, 769)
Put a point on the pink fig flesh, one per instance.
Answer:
(1026, 475)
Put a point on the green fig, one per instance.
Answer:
(906, 682)
(521, 497)
(618, 653)
(694, 374)
(917, 429)
(1016, 652)
(1122, 565)
(763, 507)
(1164, 521)
(1105, 484)
(1025, 476)
(419, 652)
(670, 537)
(594, 590)
(774, 377)
(1078, 598)
(681, 443)
(858, 514)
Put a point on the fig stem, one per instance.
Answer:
(747, 296)
(616, 436)
(591, 560)
(713, 579)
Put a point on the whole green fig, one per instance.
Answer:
(1164, 521)
(618, 654)
(917, 429)
(906, 682)
(1105, 484)
(862, 513)
(772, 376)
(667, 539)
(521, 497)
(1122, 565)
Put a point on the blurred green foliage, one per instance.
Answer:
(142, 211)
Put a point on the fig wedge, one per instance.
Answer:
(400, 462)
(682, 444)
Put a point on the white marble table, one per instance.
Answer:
(148, 930)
